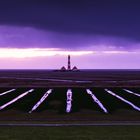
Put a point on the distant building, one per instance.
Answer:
(69, 66)
(63, 69)
(69, 63)
(75, 68)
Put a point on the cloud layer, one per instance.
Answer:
(88, 17)
(27, 37)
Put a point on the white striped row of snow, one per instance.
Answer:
(95, 99)
(122, 99)
(69, 100)
(68, 107)
(41, 100)
(7, 92)
(15, 99)
(131, 92)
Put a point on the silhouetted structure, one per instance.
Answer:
(69, 66)
(74, 68)
(63, 69)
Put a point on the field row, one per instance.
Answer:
(69, 100)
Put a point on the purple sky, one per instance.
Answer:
(40, 34)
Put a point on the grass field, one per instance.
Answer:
(71, 133)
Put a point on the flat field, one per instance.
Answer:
(71, 133)
(83, 78)
(83, 109)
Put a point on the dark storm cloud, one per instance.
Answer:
(27, 37)
(70, 24)
(103, 17)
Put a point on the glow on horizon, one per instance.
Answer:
(55, 58)
(37, 52)
(43, 52)
(118, 52)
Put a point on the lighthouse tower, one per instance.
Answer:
(69, 63)
(68, 69)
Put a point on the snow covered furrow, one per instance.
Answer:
(41, 100)
(95, 99)
(122, 99)
(15, 99)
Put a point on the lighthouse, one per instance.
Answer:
(64, 69)
(69, 63)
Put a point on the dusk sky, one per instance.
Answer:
(98, 34)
